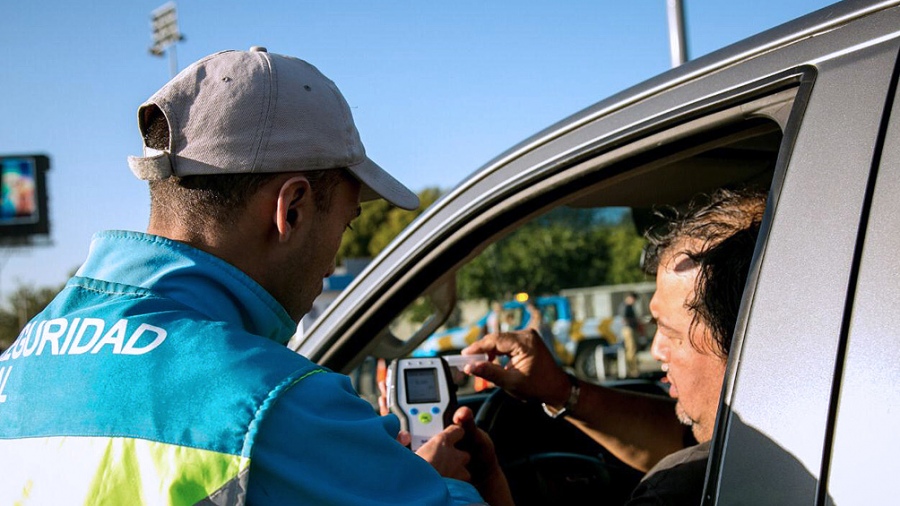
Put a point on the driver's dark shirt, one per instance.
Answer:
(676, 480)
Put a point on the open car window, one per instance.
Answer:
(572, 243)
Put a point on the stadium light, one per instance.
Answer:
(164, 26)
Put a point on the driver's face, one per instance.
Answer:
(693, 371)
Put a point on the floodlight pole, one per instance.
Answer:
(173, 60)
(164, 25)
(677, 43)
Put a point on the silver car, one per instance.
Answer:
(811, 406)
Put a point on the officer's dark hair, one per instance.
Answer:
(718, 233)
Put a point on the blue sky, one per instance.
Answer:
(436, 88)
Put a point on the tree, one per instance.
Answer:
(566, 248)
(21, 306)
(625, 248)
(379, 224)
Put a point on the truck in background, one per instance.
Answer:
(582, 323)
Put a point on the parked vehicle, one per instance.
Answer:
(580, 325)
(557, 317)
(807, 110)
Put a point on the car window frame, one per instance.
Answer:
(531, 190)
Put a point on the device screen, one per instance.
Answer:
(421, 386)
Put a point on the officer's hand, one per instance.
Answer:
(487, 476)
(442, 453)
(403, 437)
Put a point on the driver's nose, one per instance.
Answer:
(659, 348)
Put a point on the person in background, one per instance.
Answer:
(492, 324)
(629, 325)
(537, 323)
(701, 259)
(159, 375)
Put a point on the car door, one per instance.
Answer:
(866, 406)
(653, 154)
(799, 111)
(809, 406)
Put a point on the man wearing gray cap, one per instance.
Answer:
(159, 374)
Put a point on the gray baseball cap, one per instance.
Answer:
(238, 112)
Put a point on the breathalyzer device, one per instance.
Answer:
(421, 392)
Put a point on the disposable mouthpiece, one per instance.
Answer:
(459, 361)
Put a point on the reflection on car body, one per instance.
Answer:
(807, 110)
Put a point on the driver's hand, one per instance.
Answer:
(531, 372)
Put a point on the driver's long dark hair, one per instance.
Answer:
(718, 232)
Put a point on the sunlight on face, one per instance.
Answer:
(693, 372)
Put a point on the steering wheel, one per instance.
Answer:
(550, 461)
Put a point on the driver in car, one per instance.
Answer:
(701, 258)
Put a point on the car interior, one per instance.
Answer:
(550, 461)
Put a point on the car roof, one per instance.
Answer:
(825, 19)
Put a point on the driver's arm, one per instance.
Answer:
(638, 429)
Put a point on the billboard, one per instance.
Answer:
(23, 196)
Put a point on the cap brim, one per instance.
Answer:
(377, 183)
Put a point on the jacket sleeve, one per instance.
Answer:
(320, 443)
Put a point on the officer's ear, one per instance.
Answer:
(294, 196)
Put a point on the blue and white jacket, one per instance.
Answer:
(159, 375)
